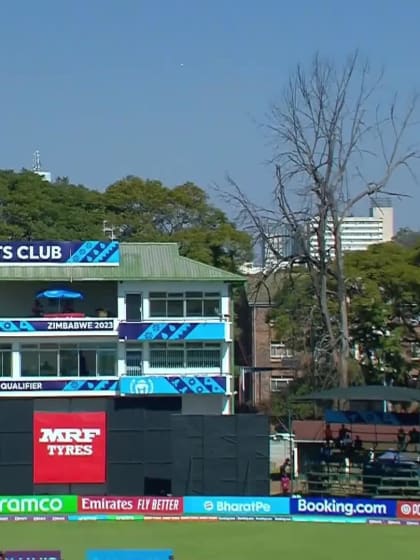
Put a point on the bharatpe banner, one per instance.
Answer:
(337, 507)
(37, 505)
(236, 506)
(69, 447)
(32, 555)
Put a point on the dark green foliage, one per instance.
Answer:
(138, 210)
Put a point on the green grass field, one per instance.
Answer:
(218, 541)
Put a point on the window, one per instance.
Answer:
(189, 355)
(278, 351)
(134, 361)
(279, 383)
(5, 360)
(68, 360)
(415, 350)
(133, 307)
(190, 304)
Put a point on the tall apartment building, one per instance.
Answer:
(357, 234)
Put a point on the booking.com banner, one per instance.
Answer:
(337, 507)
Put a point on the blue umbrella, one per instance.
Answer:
(59, 294)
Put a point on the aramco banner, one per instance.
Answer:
(68, 253)
(69, 447)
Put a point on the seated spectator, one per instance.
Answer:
(68, 307)
(358, 444)
(326, 453)
(371, 455)
(401, 440)
(414, 438)
(328, 434)
(37, 310)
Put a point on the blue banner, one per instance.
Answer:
(172, 385)
(60, 253)
(57, 325)
(370, 417)
(76, 385)
(172, 331)
(236, 506)
(142, 554)
(339, 507)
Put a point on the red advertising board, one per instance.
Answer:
(147, 505)
(69, 447)
(408, 510)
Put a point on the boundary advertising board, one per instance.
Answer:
(69, 447)
(241, 508)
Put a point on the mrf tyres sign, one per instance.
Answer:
(69, 447)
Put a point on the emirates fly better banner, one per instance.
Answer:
(69, 447)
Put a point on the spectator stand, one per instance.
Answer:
(363, 452)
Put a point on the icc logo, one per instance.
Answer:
(141, 387)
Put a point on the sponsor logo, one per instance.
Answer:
(408, 509)
(37, 504)
(127, 504)
(69, 441)
(141, 386)
(62, 444)
(336, 507)
(236, 506)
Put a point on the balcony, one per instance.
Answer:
(22, 312)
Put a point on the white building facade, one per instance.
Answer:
(132, 319)
(357, 234)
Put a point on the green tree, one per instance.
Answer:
(31, 208)
(145, 210)
(383, 300)
(407, 238)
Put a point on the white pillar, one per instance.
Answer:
(121, 364)
(16, 360)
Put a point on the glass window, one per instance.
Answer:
(134, 362)
(69, 362)
(107, 359)
(166, 356)
(29, 363)
(48, 362)
(203, 355)
(5, 363)
(190, 304)
(175, 308)
(66, 360)
(87, 363)
(211, 307)
(190, 355)
(194, 305)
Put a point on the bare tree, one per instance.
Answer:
(326, 130)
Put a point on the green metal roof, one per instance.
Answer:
(138, 261)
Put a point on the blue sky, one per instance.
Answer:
(176, 89)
